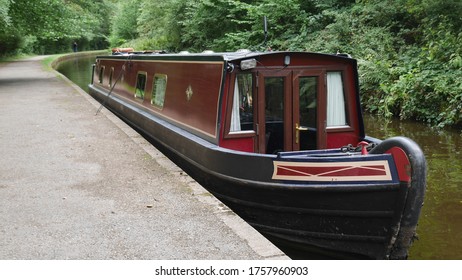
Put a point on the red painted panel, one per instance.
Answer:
(340, 139)
(402, 163)
(332, 171)
(239, 144)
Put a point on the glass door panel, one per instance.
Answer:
(307, 110)
(274, 114)
(292, 111)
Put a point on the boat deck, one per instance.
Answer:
(75, 185)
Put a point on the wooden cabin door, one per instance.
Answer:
(274, 97)
(309, 110)
(291, 111)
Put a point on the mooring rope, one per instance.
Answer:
(115, 83)
(352, 149)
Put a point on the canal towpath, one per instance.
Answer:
(79, 185)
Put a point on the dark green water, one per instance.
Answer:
(440, 224)
(78, 70)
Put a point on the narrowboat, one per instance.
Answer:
(279, 138)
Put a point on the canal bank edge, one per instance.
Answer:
(55, 60)
(253, 238)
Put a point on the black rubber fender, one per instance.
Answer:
(415, 194)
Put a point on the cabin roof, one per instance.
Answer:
(213, 56)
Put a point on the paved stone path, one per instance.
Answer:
(75, 185)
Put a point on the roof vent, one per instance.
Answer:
(343, 54)
(248, 64)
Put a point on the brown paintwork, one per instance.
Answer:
(199, 113)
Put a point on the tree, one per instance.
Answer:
(8, 40)
(159, 24)
(124, 22)
(49, 26)
(4, 17)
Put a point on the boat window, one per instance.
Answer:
(336, 107)
(101, 74)
(242, 113)
(140, 85)
(111, 73)
(159, 87)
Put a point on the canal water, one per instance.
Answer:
(440, 223)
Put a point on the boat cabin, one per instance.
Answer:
(245, 101)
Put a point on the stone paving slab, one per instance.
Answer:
(75, 185)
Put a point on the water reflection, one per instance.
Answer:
(78, 70)
(441, 217)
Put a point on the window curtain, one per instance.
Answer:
(160, 86)
(235, 118)
(335, 100)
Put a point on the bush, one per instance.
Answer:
(425, 84)
(10, 41)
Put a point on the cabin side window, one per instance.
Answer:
(140, 85)
(111, 73)
(101, 74)
(159, 87)
(336, 106)
(242, 112)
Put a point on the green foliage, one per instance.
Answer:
(409, 51)
(124, 22)
(429, 88)
(159, 24)
(5, 19)
(421, 80)
(207, 22)
(50, 26)
(9, 39)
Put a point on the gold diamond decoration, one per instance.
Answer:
(189, 93)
